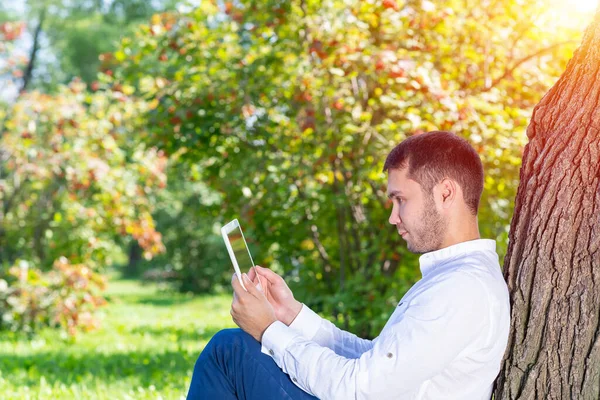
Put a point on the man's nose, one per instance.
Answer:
(394, 218)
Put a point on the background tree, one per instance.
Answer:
(64, 38)
(553, 262)
(73, 184)
(70, 184)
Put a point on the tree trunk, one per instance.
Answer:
(34, 51)
(552, 266)
(134, 258)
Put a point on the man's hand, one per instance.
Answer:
(250, 309)
(278, 293)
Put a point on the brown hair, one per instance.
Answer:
(436, 155)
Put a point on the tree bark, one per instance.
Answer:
(552, 266)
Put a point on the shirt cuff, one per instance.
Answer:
(275, 341)
(307, 322)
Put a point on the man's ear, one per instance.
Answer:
(447, 192)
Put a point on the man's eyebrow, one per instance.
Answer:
(394, 193)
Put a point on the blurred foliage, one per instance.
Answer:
(195, 258)
(67, 296)
(70, 180)
(12, 63)
(74, 185)
(74, 33)
(288, 109)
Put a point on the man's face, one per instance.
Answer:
(414, 213)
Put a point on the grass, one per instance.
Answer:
(145, 349)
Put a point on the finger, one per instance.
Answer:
(233, 317)
(231, 309)
(235, 280)
(252, 289)
(238, 290)
(259, 284)
(268, 274)
(255, 277)
(252, 274)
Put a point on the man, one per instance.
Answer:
(444, 340)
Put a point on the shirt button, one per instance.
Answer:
(390, 355)
(295, 380)
(271, 352)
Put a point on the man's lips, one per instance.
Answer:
(402, 233)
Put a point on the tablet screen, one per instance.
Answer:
(242, 254)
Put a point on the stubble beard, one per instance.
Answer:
(429, 234)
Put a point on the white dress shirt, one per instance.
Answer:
(445, 339)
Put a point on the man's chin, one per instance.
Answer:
(412, 249)
(416, 249)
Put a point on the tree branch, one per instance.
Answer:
(523, 60)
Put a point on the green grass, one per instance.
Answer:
(145, 349)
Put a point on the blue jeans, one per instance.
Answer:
(231, 366)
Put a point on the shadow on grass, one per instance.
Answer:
(142, 367)
(181, 333)
(147, 368)
(161, 298)
(154, 299)
(163, 301)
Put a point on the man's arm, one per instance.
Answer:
(420, 345)
(323, 332)
(301, 319)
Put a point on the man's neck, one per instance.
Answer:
(470, 232)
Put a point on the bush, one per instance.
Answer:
(73, 184)
(66, 297)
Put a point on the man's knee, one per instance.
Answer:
(229, 339)
(217, 360)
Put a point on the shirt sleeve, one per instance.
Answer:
(321, 331)
(424, 340)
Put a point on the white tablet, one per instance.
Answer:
(238, 250)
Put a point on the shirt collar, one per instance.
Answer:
(428, 261)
